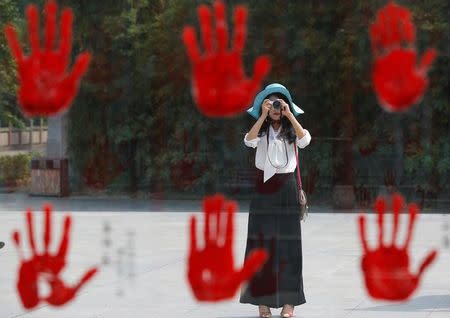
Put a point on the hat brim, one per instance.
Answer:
(255, 109)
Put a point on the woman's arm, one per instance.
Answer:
(253, 133)
(299, 131)
(303, 136)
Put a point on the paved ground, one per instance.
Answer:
(332, 278)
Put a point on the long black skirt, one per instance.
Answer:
(274, 223)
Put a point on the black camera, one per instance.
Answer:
(276, 104)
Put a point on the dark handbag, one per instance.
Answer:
(302, 200)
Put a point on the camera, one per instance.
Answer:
(276, 104)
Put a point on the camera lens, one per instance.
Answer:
(276, 104)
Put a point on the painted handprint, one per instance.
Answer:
(46, 86)
(265, 281)
(211, 273)
(386, 269)
(220, 87)
(398, 81)
(46, 266)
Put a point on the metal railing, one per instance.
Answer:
(23, 138)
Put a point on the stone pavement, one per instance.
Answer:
(331, 255)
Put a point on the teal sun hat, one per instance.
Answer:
(271, 89)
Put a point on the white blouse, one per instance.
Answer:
(274, 160)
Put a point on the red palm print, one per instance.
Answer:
(398, 81)
(386, 269)
(220, 87)
(211, 273)
(46, 87)
(46, 265)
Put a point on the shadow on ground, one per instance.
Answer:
(438, 303)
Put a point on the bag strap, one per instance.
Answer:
(299, 177)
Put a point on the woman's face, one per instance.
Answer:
(274, 114)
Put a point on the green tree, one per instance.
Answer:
(137, 100)
(9, 113)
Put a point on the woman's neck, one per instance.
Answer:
(276, 125)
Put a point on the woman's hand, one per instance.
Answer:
(266, 106)
(285, 109)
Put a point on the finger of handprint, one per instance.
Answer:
(362, 233)
(229, 233)
(219, 207)
(260, 70)
(387, 23)
(220, 210)
(65, 238)
(381, 20)
(206, 27)
(221, 26)
(413, 209)
(33, 27)
(254, 262)
(30, 225)
(224, 219)
(80, 67)
(65, 44)
(47, 226)
(190, 42)
(207, 214)
(13, 42)
(17, 243)
(392, 24)
(193, 235)
(380, 207)
(396, 24)
(409, 31)
(427, 262)
(50, 24)
(427, 59)
(86, 277)
(240, 28)
(397, 206)
(406, 28)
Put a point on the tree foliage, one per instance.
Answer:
(136, 99)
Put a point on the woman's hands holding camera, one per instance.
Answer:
(285, 109)
(266, 106)
(278, 104)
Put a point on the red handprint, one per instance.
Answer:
(398, 82)
(386, 269)
(219, 85)
(211, 273)
(45, 86)
(45, 265)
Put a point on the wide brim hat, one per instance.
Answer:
(271, 89)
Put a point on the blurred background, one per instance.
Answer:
(134, 129)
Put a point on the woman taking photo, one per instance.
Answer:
(274, 220)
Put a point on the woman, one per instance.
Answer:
(274, 220)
